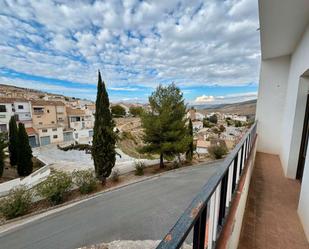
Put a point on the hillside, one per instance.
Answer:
(243, 108)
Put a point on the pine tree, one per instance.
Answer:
(104, 138)
(24, 162)
(3, 144)
(13, 141)
(189, 153)
(164, 127)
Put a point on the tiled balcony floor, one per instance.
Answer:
(271, 219)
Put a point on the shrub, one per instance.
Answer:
(176, 164)
(139, 168)
(85, 180)
(217, 151)
(115, 175)
(55, 186)
(17, 203)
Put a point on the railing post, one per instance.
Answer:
(199, 232)
(223, 198)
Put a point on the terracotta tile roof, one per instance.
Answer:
(46, 102)
(71, 111)
(30, 131)
(202, 144)
(12, 100)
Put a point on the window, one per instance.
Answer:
(47, 111)
(20, 107)
(52, 122)
(2, 116)
(54, 129)
(75, 119)
(55, 136)
(40, 123)
(2, 108)
(44, 130)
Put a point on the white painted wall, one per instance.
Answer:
(270, 105)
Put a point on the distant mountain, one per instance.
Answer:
(243, 108)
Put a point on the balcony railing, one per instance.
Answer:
(208, 211)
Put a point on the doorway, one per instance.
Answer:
(304, 144)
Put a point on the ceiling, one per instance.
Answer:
(282, 23)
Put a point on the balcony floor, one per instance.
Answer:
(271, 219)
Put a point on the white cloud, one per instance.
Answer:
(204, 99)
(189, 42)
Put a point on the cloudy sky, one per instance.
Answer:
(210, 48)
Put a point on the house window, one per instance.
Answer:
(44, 130)
(2, 108)
(40, 123)
(75, 119)
(38, 116)
(2, 116)
(47, 111)
(55, 136)
(52, 122)
(54, 129)
(20, 107)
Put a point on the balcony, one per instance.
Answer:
(271, 219)
(214, 218)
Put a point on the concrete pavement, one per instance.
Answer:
(141, 211)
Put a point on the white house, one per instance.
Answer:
(197, 125)
(6, 112)
(283, 100)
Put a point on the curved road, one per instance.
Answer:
(141, 211)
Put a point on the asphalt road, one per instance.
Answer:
(141, 211)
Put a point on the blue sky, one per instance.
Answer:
(210, 49)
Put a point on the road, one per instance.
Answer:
(141, 211)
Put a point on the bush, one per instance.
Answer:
(115, 175)
(85, 180)
(55, 186)
(139, 168)
(217, 151)
(176, 164)
(17, 203)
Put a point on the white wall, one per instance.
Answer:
(270, 105)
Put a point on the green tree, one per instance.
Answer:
(213, 119)
(165, 131)
(189, 152)
(3, 144)
(136, 110)
(118, 111)
(13, 141)
(104, 138)
(24, 162)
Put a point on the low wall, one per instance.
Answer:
(29, 181)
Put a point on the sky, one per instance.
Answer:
(210, 49)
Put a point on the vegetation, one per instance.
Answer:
(165, 131)
(24, 162)
(85, 147)
(55, 187)
(207, 124)
(115, 175)
(136, 111)
(118, 111)
(189, 152)
(238, 123)
(139, 168)
(104, 138)
(217, 151)
(17, 203)
(213, 119)
(13, 141)
(85, 180)
(3, 145)
(221, 128)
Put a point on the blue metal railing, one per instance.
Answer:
(207, 212)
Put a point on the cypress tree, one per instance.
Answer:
(165, 131)
(104, 138)
(24, 162)
(189, 153)
(13, 141)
